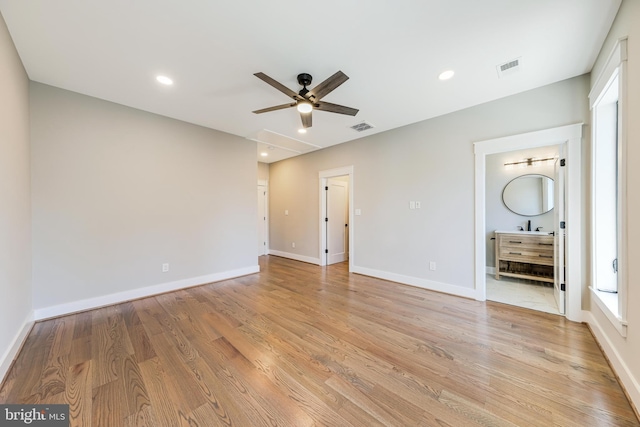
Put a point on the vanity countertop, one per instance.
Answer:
(540, 233)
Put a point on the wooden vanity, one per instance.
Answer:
(525, 255)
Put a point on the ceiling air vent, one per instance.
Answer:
(509, 67)
(361, 127)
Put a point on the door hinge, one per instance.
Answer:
(562, 287)
(563, 162)
(563, 225)
(326, 251)
(326, 220)
(326, 188)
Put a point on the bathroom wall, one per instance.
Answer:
(498, 216)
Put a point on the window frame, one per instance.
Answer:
(613, 305)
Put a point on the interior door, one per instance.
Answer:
(559, 229)
(262, 220)
(337, 220)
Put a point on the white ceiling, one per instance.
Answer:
(393, 52)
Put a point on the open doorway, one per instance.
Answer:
(523, 206)
(570, 138)
(337, 220)
(336, 216)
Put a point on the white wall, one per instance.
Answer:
(263, 171)
(625, 352)
(498, 217)
(117, 192)
(15, 211)
(431, 162)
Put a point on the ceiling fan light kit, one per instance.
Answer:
(307, 100)
(304, 107)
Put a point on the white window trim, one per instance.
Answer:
(614, 306)
(608, 302)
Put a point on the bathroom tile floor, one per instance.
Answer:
(522, 293)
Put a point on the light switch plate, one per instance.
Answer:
(358, 212)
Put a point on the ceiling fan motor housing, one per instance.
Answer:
(304, 79)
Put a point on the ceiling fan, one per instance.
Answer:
(307, 100)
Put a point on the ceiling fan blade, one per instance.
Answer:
(282, 88)
(335, 108)
(277, 107)
(328, 85)
(306, 120)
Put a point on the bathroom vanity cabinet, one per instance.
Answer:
(525, 255)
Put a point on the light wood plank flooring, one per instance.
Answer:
(300, 345)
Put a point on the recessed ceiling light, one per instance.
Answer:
(302, 130)
(164, 80)
(264, 154)
(446, 75)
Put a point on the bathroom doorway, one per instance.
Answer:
(521, 189)
(569, 137)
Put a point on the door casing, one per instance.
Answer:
(571, 136)
(323, 177)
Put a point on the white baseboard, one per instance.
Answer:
(118, 297)
(16, 345)
(418, 282)
(629, 382)
(310, 260)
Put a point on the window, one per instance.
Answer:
(605, 190)
(608, 241)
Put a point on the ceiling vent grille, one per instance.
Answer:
(509, 67)
(361, 127)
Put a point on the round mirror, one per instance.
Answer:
(529, 195)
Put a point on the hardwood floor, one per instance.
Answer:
(301, 345)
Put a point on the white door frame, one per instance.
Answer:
(571, 135)
(323, 177)
(560, 209)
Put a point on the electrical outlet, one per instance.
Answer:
(165, 267)
(293, 244)
(358, 211)
(412, 205)
(417, 205)
(432, 265)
